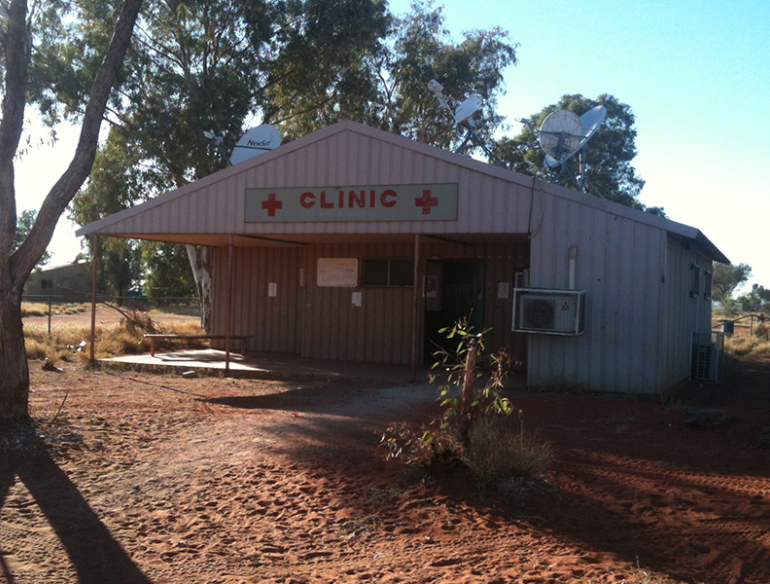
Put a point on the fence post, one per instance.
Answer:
(50, 302)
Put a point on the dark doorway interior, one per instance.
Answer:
(452, 290)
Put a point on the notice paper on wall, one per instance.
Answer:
(337, 272)
(272, 289)
(357, 299)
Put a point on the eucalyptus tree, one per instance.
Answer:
(23, 58)
(202, 66)
(388, 89)
(727, 278)
(610, 173)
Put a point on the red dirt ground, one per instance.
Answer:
(155, 478)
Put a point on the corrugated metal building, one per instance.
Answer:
(324, 233)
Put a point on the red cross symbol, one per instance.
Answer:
(426, 202)
(271, 205)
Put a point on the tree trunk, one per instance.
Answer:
(14, 398)
(16, 266)
(202, 264)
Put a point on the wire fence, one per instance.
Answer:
(60, 306)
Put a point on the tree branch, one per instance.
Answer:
(25, 258)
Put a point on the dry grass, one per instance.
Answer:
(41, 308)
(506, 461)
(756, 348)
(71, 341)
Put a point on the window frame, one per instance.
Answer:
(694, 280)
(389, 274)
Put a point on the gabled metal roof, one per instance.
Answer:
(492, 199)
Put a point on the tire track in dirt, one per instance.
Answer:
(722, 527)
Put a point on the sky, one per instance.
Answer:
(695, 73)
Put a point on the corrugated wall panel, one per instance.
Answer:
(270, 321)
(325, 324)
(685, 313)
(618, 263)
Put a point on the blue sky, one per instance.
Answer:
(696, 75)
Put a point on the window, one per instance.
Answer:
(397, 273)
(695, 283)
(707, 284)
(46, 284)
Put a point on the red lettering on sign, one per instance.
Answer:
(307, 200)
(324, 203)
(388, 194)
(353, 197)
(426, 202)
(271, 204)
(372, 198)
(342, 200)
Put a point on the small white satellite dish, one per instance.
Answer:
(255, 142)
(591, 121)
(561, 134)
(467, 108)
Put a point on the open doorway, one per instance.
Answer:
(453, 289)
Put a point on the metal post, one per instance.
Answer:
(94, 272)
(229, 310)
(50, 309)
(416, 306)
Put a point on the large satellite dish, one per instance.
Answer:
(561, 135)
(255, 142)
(564, 134)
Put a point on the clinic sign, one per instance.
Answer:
(421, 202)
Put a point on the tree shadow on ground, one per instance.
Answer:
(658, 505)
(95, 555)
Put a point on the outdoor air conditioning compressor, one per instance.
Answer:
(549, 311)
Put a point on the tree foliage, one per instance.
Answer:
(610, 173)
(167, 270)
(757, 299)
(727, 278)
(388, 88)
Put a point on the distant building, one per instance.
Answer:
(356, 244)
(67, 282)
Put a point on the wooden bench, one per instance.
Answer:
(240, 338)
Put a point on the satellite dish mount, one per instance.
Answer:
(463, 118)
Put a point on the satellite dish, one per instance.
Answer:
(255, 142)
(561, 135)
(591, 121)
(467, 108)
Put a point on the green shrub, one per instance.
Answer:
(470, 431)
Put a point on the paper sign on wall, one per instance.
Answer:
(337, 272)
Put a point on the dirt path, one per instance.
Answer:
(160, 479)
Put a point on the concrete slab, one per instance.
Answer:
(271, 366)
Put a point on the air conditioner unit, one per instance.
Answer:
(549, 311)
(707, 357)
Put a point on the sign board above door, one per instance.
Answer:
(417, 202)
